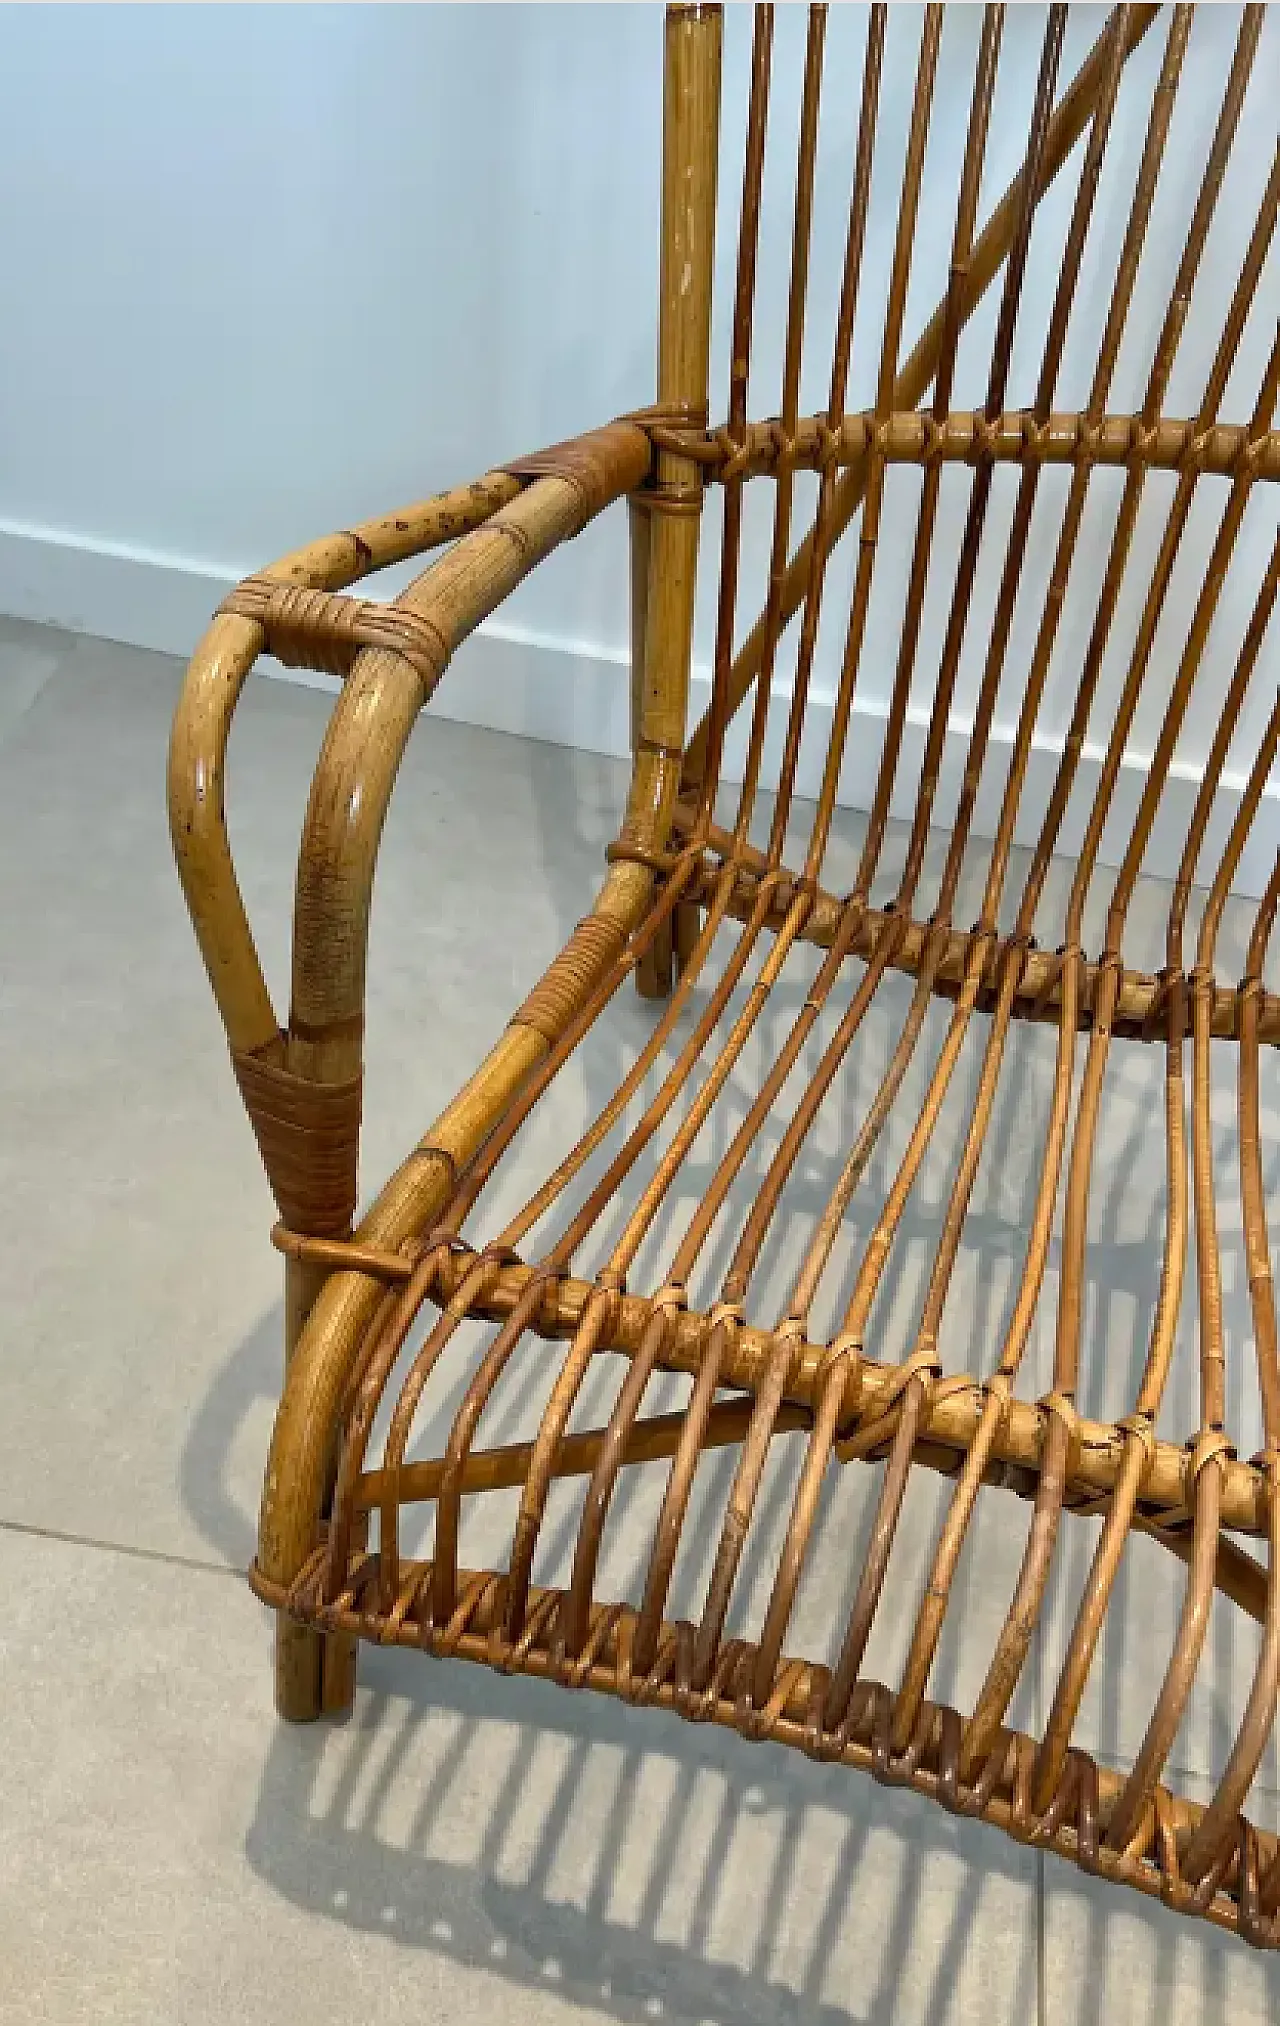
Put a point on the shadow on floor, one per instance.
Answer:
(246, 1390)
(638, 1902)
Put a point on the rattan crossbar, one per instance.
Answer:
(997, 582)
(1225, 450)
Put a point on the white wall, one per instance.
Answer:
(271, 269)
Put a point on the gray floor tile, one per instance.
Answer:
(467, 1846)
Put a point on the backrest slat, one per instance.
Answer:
(984, 655)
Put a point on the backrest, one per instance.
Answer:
(1003, 285)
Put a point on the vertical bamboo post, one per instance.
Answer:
(667, 548)
(654, 971)
(315, 1672)
(638, 529)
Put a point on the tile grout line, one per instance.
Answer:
(24, 710)
(121, 1548)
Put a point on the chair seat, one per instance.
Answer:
(660, 1504)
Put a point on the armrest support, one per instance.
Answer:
(302, 1085)
(506, 522)
(202, 725)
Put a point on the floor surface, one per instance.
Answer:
(466, 1847)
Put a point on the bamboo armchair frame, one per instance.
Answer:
(679, 877)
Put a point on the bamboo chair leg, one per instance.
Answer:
(686, 928)
(655, 973)
(315, 1672)
(665, 523)
(662, 965)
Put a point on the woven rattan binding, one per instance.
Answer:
(306, 628)
(308, 1135)
(599, 466)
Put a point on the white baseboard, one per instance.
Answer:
(569, 694)
(142, 597)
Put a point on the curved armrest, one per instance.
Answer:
(301, 1085)
(202, 725)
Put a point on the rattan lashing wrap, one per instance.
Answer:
(599, 466)
(325, 630)
(308, 1134)
(594, 945)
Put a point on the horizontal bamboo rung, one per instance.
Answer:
(947, 1429)
(1224, 450)
(504, 1468)
(1039, 993)
(950, 1422)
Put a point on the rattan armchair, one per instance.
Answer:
(701, 905)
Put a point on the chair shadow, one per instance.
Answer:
(507, 1907)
